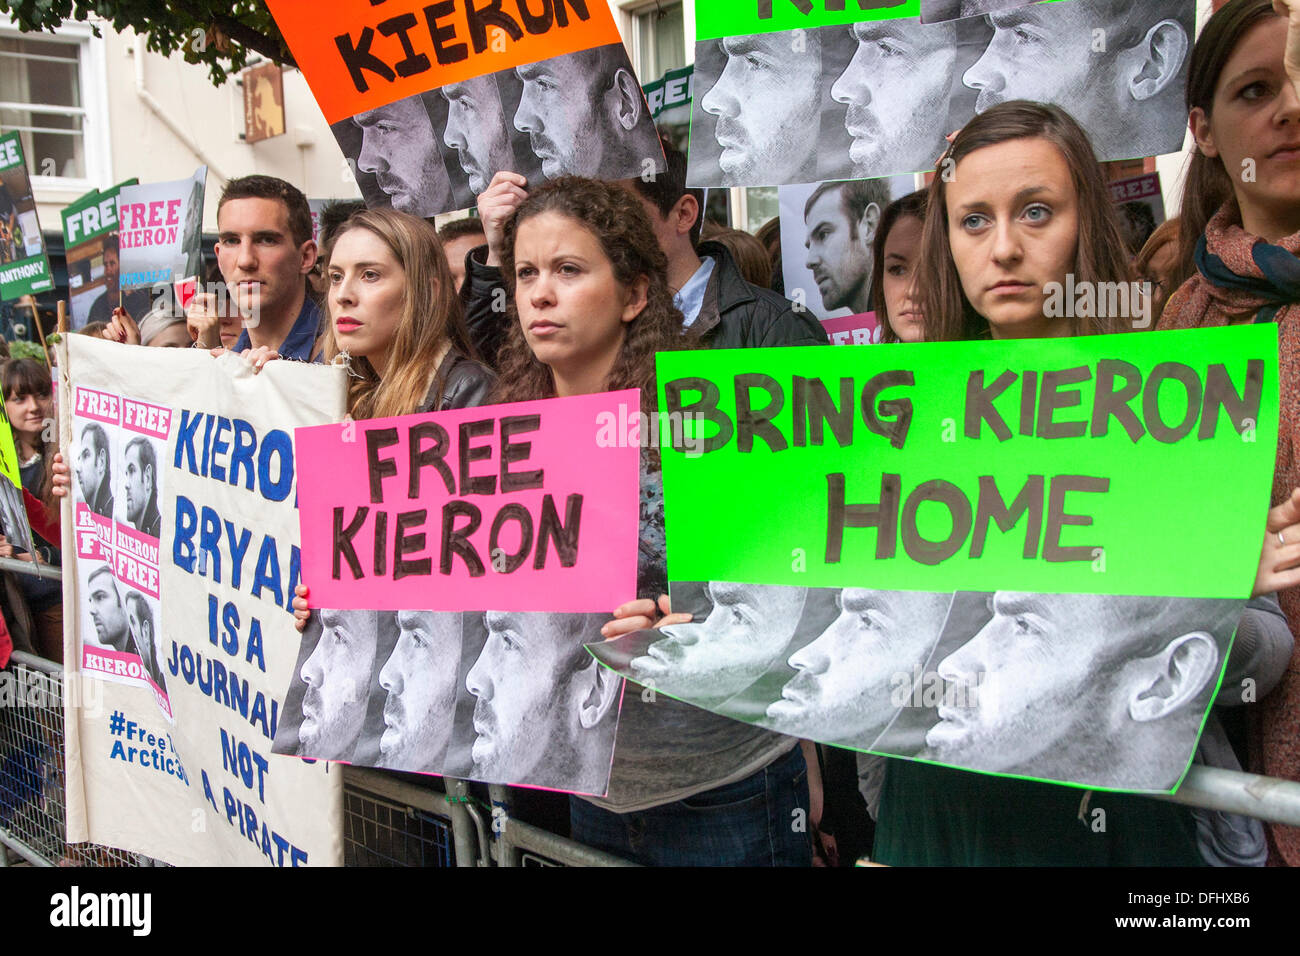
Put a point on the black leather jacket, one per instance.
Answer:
(460, 383)
(735, 313)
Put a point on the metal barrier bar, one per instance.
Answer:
(48, 571)
(1249, 794)
(512, 838)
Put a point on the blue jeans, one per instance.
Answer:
(759, 821)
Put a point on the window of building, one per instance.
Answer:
(46, 86)
(660, 40)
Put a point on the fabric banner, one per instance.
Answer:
(827, 234)
(530, 510)
(818, 99)
(90, 238)
(160, 237)
(427, 102)
(179, 605)
(24, 266)
(954, 552)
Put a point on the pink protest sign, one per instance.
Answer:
(522, 507)
(853, 329)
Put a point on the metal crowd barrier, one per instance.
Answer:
(389, 821)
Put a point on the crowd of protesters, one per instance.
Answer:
(596, 278)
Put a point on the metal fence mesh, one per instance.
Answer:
(382, 832)
(31, 774)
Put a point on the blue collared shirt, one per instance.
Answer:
(690, 297)
(298, 343)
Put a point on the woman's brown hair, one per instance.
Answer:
(431, 316)
(18, 379)
(1099, 256)
(1207, 185)
(911, 206)
(619, 223)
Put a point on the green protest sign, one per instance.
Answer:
(89, 237)
(24, 267)
(1091, 465)
(724, 18)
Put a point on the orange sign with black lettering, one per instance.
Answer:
(361, 54)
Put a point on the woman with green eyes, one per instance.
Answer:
(1020, 202)
(1240, 251)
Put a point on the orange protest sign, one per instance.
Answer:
(361, 54)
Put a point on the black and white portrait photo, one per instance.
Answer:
(585, 115)
(578, 114)
(878, 98)
(895, 92)
(1100, 690)
(739, 633)
(498, 697)
(1095, 690)
(1120, 68)
(329, 698)
(94, 468)
(756, 119)
(109, 625)
(420, 680)
(143, 621)
(827, 265)
(138, 501)
(851, 679)
(397, 155)
(545, 713)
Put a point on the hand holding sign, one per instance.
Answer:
(505, 194)
(203, 322)
(1279, 562)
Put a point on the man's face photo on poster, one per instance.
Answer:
(1117, 66)
(847, 677)
(840, 220)
(478, 129)
(139, 472)
(896, 90)
(767, 102)
(94, 469)
(1082, 687)
(585, 115)
(545, 712)
(421, 680)
(337, 675)
(107, 615)
(399, 147)
(745, 633)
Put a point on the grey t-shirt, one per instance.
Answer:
(667, 750)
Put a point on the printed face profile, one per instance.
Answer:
(708, 661)
(399, 146)
(839, 252)
(544, 710)
(106, 612)
(420, 677)
(478, 129)
(767, 101)
(845, 688)
(896, 89)
(1090, 688)
(1118, 67)
(337, 675)
(139, 473)
(94, 470)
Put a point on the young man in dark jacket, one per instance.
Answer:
(719, 305)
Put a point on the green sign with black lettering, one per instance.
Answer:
(1135, 464)
(24, 267)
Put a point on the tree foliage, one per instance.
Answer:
(222, 34)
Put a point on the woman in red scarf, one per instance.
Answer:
(1240, 239)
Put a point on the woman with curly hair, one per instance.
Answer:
(591, 307)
